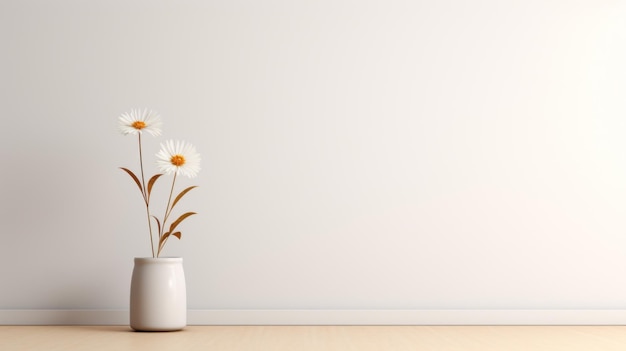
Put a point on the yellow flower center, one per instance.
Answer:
(139, 124)
(178, 160)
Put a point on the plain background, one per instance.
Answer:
(355, 154)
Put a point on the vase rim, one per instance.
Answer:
(158, 259)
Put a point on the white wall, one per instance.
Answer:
(356, 154)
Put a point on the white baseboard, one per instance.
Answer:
(329, 317)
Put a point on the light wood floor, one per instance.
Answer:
(323, 338)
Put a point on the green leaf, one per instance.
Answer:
(182, 193)
(180, 219)
(151, 183)
(130, 173)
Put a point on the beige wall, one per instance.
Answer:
(356, 154)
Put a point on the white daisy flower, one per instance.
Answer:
(137, 121)
(177, 157)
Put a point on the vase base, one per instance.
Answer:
(156, 330)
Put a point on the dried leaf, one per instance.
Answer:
(180, 219)
(182, 193)
(151, 183)
(162, 240)
(158, 224)
(134, 178)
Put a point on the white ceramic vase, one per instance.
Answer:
(158, 296)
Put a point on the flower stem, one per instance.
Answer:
(168, 211)
(146, 198)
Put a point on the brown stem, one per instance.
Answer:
(168, 211)
(145, 196)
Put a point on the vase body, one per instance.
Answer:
(158, 295)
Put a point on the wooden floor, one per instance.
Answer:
(323, 338)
